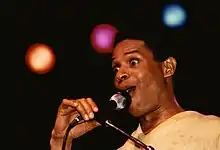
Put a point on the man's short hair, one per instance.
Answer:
(152, 40)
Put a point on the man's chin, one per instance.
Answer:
(133, 111)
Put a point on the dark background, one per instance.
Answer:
(80, 71)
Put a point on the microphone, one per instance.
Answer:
(117, 102)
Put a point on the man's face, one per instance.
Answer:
(135, 69)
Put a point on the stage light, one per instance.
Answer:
(173, 15)
(40, 58)
(102, 38)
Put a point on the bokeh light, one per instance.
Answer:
(102, 38)
(174, 15)
(40, 58)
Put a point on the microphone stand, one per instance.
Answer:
(135, 140)
(108, 123)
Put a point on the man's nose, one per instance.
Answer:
(123, 76)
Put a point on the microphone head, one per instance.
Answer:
(120, 100)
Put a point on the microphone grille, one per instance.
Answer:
(120, 101)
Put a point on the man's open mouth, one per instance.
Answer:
(130, 90)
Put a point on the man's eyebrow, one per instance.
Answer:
(129, 52)
(114, 63)
(132, 51)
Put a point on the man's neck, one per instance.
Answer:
(159, 115)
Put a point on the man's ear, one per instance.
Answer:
(169, 67)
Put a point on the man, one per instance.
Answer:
(163, 124)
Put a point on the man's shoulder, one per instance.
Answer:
(207, 118)
(195, 115)
(202, 122)
(212, 120)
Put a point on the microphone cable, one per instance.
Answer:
(75, 122)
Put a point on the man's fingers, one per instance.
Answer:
(88, 108)
(92, 104)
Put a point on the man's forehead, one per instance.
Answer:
(128, 45)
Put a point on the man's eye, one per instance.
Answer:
(134, 62)
(115, 69)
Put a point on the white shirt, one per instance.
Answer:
(187, 130)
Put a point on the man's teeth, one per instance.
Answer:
(130, 89)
